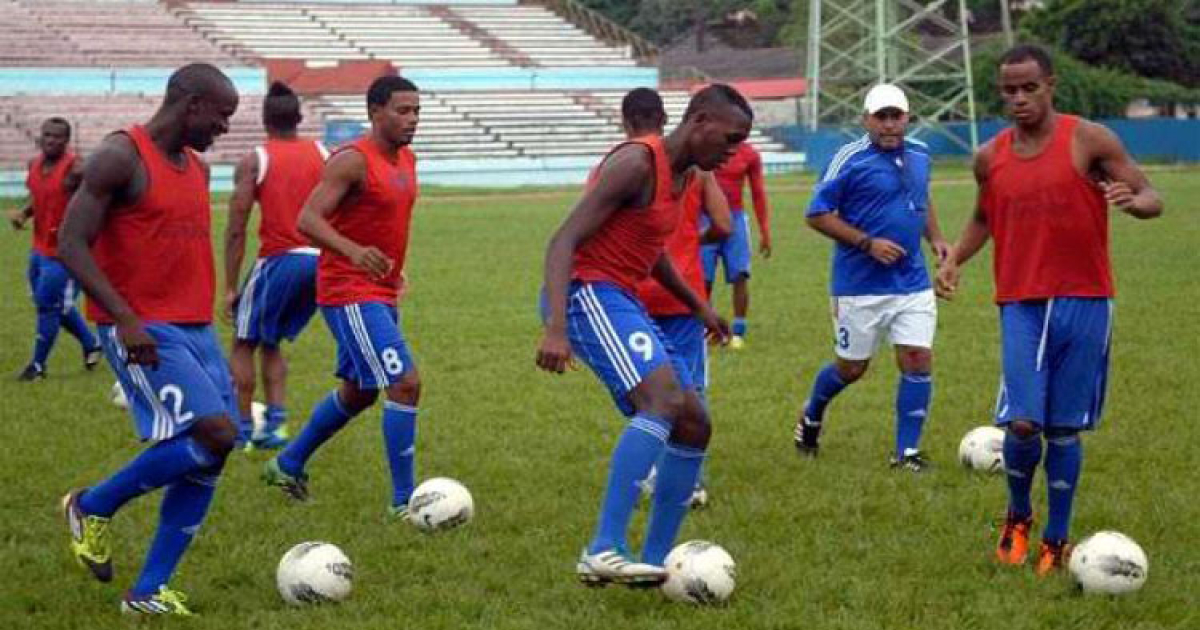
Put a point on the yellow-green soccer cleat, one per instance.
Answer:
(90, 543)
(164, 602)
(295, 487)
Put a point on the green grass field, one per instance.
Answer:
(837, 543)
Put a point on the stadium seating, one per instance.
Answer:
(545, 38)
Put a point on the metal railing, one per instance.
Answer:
(602, 28)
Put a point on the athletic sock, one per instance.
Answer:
(155, 467)
(637, 449)
(74, 323)
(47, 331)
(1064, 459)
(1021, 457)
(912, 406)
(827, 385)
(739, 326)
(678, 472)
(399, 440)
(327, 418)
(184, 506)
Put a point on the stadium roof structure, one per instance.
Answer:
(854, 44)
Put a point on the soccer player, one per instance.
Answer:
(643, 114)
(279, 296)
(137, 237)
(1045, 185)
(359, 216)
(53, 177)
(613, 239)
(734, 250)
(873, 202)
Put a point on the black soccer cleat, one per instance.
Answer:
(912, 460)
(91, 358)
(32, 372)
(806, 435)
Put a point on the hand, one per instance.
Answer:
(1117, 194)
(941, 252)
(17, 219)
(764, 246)
(554, 354)
(372, 261)
(229, 304)
(946, 282)
(140, 347)
(717, 327)
(885, 251)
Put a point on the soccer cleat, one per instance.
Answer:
(398, 512)
(32, 372)
(164, 602)
(295, 487)
(1052, 556)
(91, 358)
(806, 436)
(1014, 540)
(912, 460)
(699, 498)
(737, 342)
(614, 566)
(90, 543)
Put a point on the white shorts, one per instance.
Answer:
(860, 321)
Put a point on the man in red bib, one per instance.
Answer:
(137, 237)
(53, 177)
(279, 296)
(359, 216)
(1045, 185)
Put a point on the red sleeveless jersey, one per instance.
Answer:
(683, 248)
(157, 251)
(288, 170)
(625, 248)
(48, 196)
(377, 215)
(1050, 223)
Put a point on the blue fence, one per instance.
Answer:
(84, 81)
(1158, 139)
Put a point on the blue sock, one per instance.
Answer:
(912, 406)
(327, 419)
(184, 505)
(245, 426)
(47, 331)
(678, 472)
(1064, 459)
(739, 326)
(636, 451)
(1021, 457)
(154, 468)
(400, 439)
(827, 385)
(73, 322)
(275, 417)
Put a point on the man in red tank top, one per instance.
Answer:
(612, 240)
(359, 216)
(52, 179)
(278, 298)
(137, 237)
(1045, 185)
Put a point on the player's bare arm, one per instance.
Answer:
(74, 177)
(933, 234)
(343, 175)
(716, 206)
(1125, 185)
(833, 226)
(975, 235)
(17, 218)
(625, 180)
(762, 211)
(112, 176)
(245, 175)
(665, 273)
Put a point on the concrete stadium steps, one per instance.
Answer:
(544, 37)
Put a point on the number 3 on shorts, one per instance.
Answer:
(843, 337)
(391, 361)
(641, 343)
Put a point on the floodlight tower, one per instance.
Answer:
(854, 44)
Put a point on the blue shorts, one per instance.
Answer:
(371, 351)
(278, 299)
(1055, 361)
(685, 334)
(192, 380)
(733, 250)
(51, 284)
(610, 330)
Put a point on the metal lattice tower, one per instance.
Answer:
(854, 44)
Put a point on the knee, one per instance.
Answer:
(407, 390)
(692, 427)
(851, 371)
(916, 360)
(215, 434)
(354, 399)
(1023, 429)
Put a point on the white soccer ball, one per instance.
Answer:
(440, 503)
(117, 396)
(982, 449)
(1110, 563)
(314, 573)
(699, 572)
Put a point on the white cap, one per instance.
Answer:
(883, 96)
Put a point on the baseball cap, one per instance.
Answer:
(883, 96)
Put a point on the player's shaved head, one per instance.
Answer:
(201, 80)
(281, 108)
(642, 111)
(716, 98)
(1022, 53)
